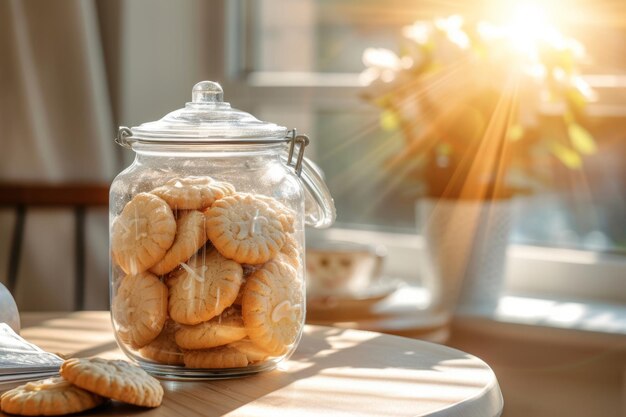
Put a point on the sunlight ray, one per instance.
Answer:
(349, 140)
(346, 179)
(352, 174)
(397, 173)
(480, 166)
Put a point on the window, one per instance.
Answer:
(304, 57)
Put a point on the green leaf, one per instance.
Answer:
(581, 139)
(576, 98)
(515, 133)
(567, 156)
(444, 149)
(389, 120)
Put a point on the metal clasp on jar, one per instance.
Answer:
(303, 141)
(121, 138)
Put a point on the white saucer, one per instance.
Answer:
(351, 300)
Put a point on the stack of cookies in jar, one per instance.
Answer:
(205, 276)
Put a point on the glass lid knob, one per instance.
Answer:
(207, 92)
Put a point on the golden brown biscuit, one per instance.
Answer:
(48, 397)
(220, 330)
(253, 352)
(190, 236)
(272, 307)
(284, 214)
(219, 357)
(291, 252)
(142, 233)
(237, 301)
(244, 228)
(164, 349)
(193, 193)
(139, 309)
(203, 288)
(115, 379)
(247, 271)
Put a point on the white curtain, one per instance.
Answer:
(70, 72)
(56, 127)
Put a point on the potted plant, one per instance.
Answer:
(470, 99)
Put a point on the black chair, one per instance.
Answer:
(78, 197)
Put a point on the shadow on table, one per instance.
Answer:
(385, 365)
(59, 333)
(350, 368)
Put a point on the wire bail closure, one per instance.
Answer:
(123, 132)
(303, 141)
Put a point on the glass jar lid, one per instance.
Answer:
(207, 118)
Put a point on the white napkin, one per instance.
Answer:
(21, 360)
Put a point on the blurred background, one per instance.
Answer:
(73, 71)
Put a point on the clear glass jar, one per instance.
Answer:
(207, 240)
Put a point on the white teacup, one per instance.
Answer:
(338, 268)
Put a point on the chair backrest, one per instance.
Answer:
(78, 197)
(54, 195)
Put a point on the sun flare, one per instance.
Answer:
(527, 26)
(474, 85)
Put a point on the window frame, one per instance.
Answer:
(528, 266)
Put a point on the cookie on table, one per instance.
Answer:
(190, 236)
(253, 352)
(164, 349)
(142, 233)
(115, 379)
(193, 193)
(272, 307)
(245, 229)
(139, 309)
(219, 357)
(219, 331)
(203, 287)
(48, 397)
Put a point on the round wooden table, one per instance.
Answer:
(339, 372)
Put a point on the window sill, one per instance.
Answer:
(519, 313)
(552, 294)
(581, 322)
(537, 272)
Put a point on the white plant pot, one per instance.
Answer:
(465, 251)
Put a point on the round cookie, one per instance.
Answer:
(285, 215)
(220, 357)
(139, 309)
(115, 379)
(272, 307)
(190, 236)
(203, 288)
(291, 252)
(245, 228)
(237, 301)
(220, 330)
(253, 352)
(164, 349)
(247, 271)
(193, 193)
(142, 233)
(48, 397)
